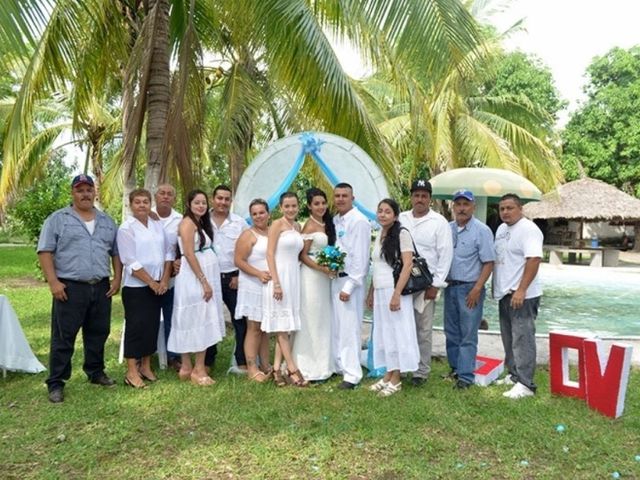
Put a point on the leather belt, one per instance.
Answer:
(89, 282)
(235, 273)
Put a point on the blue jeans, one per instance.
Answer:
(461, 325)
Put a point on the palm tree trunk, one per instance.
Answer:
(159, 97)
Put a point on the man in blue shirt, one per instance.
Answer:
(473, 258)
(76, 249)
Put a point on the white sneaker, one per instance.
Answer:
(234, 369)
(390, 389)
(519, 391)
(505, 381)
(378, 386)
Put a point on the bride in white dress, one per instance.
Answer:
(281, 295)
(312, 343)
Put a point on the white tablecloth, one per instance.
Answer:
(15, 352)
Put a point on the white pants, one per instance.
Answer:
(346, 331)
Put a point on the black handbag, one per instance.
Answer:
(420, 278)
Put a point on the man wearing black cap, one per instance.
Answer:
(76, 249)
(432, 237)
(473, 258)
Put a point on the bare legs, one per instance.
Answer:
(285, 347)
(254, 341)
(392, 377)
(133, 378)
(198, 372)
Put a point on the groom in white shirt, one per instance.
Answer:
(353, 232)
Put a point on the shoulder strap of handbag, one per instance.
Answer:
(415, 250)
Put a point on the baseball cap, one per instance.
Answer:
(80, 179)
(464, 194)
(421, 184)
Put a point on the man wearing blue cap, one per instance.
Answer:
(76, 250)
(473, 258)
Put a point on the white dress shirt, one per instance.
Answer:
(170, 225)
(224, 240)
(142, 247)
(432, 236)
(353, 232)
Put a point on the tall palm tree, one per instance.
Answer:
(275, 59)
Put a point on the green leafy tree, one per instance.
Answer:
(602, 138)
(518, 73)
(49, 193)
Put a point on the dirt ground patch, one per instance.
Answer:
(22, 282)
(630, 257)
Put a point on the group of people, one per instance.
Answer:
(267, 274)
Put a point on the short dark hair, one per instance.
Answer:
(286, 195)
(511, 196)
(343, 185)
(258, 201)
(220, 187)
(139, 192)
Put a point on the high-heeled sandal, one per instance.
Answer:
(148, 379)
(202, 381)
(300, 382)
(133, 385)
(259, 377)
(279, 379)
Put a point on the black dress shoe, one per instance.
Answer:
(346, 385)
(103, 381)
(461, 385)
(418, 381)
(56, 396)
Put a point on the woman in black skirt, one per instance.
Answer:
(146, 258)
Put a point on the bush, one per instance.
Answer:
(45, 197)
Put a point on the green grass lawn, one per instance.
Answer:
(237, 429)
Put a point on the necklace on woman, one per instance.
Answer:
(289, 223)
(322, 224)
(261, 231)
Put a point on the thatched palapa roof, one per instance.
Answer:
(586, 199)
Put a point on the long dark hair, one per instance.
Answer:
(204, 224)
(327, 218)
(390, 245)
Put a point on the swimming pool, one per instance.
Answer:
(582, 299)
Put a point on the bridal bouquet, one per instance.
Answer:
(332, 257)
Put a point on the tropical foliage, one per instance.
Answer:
(602, 139)
(181, 89)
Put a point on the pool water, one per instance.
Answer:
(582, 299)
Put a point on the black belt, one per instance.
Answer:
(453, 283)
(89, 282)
(235, 273)
(343, 274)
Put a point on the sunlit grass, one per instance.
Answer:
(237, 429)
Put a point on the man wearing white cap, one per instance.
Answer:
(432, 237)
(473, 257)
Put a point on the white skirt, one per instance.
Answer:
(395, 343)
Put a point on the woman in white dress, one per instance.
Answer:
(281, 295)
(251, 259)
(197, 322)
(312, 343)
(395, 344)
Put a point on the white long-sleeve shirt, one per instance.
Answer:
(142, 247)
(224, 240)
(170, 225)
(432, 236)
(353, 232)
